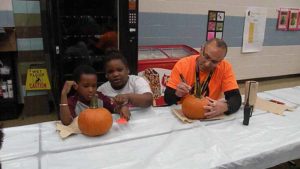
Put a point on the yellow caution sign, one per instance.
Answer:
(37, 79)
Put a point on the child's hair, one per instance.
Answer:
(114, 54)
(83, 69)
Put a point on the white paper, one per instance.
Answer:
(254, 29)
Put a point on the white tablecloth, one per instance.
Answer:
(23, 163)
(154, 138)
(20, 141)
(144, 123)
(288, 94)
(268, 140)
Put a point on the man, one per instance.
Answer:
(212, 74)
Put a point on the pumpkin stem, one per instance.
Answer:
(94, 102)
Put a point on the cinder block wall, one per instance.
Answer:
(185, 22)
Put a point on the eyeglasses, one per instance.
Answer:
(208, 58)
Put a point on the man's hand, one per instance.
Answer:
(182, 89)
(215, 108)
(67, 87)
(121, 99)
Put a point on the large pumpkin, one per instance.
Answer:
(192, 107)
(95, 121)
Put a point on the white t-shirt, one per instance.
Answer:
(135, 84)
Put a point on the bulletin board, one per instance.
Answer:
(215, 24)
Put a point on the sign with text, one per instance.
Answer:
(254, 29)
(37, 79)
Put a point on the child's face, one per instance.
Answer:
(117, 73)
(87, 86)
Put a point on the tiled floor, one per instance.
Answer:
(30, 120)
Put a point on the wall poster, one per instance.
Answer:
(298, 23)
(293, 19)
(215, 24)
(288, 19)
(254, 29)
(283, 19)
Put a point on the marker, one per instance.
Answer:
(276, 101)
(122, 121)
(182, 78)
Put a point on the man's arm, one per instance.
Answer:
(234, 101)
(170, 96)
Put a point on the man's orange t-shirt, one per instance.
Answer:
(222, 79)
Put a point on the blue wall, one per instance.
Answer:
(164, 28)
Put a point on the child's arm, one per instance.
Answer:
(142, 95)
(65, 113)
(115, 107)
(138, 100)
(124, 112)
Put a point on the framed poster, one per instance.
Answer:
(283, 19)
(219, 35)
(293, 19)
(219, 26)
(220, 16)
(215, 24)
(210, 35)
(211, 26)
(254, 29)
(212, 15)
(298, 23)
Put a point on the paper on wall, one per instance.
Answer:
(254, 29)
(6, 5)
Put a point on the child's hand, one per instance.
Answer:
(125, 113)
(67, 87)
(121, 99)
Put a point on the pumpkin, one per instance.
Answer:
(95, 121)
(192, 107)
(193, 104)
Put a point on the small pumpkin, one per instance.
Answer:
(192, 107)
(94, 121)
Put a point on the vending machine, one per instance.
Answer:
(82, 31)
